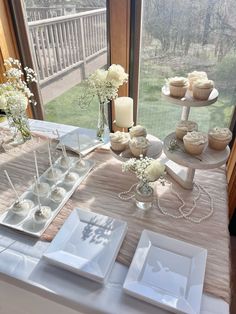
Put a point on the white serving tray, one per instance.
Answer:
(87, 244)
(168, 273)
(26, 224)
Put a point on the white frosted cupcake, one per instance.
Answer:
(183, 127)
(194, 76)
(137, 131)
(202, 89)
(195, 142)
(119, 141)
(138, 146)
(178, 86)
(219, 138)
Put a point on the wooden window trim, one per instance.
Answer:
(8, 47)
(27, 59)
(8, 43)
(119, 41)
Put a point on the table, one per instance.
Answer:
(30, 285)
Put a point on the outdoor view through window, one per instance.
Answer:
(69, 42)
(178, 37)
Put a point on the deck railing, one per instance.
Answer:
(35, 14)
(64, 42)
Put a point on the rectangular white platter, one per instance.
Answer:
(167, 272)
(87, 244)
(80, 141)
(26, 223)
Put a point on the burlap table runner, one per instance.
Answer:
(99, 193)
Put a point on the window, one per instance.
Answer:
(68, 42)
(179, 37)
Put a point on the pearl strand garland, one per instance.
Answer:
(124, 198)
(187, 215)
(182, 214)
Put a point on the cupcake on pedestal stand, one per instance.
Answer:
(136, 142)
(191, 152)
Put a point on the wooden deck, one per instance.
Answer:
(56, 87)
(67, 49)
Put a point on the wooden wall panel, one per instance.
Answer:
(231, 177)
(8, 47)
(119, 38)
(8, 43)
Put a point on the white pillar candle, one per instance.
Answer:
(124, 112)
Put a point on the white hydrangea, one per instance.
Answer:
(105, 83)
(116, 75)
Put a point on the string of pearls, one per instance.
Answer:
(182, 214)
(126, 198)
(185, 215)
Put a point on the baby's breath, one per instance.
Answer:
(17, 79)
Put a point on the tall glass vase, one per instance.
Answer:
(102, 126)
(19, 126)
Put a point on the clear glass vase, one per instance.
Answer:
(19, 126)
(102, 126)
(144, 195)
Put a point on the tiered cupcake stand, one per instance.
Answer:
(181, 165)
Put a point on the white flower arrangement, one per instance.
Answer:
(105, 83)
(146, 169)
(14, 93)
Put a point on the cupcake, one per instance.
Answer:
(138, 146)
(137, 131)
(194, 76)
(119, 141)
(219, 138)
(178, 86)
(202, 89)
(195, 142)
(185, 126)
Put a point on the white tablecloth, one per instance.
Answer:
(29, 285)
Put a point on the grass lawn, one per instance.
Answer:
(155, 113)
(66, 109)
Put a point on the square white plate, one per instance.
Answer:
(87, 244)
(167, 272)
(80, 141)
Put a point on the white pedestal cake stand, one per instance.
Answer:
(188, 101)
(178, 159)
(209, 159)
